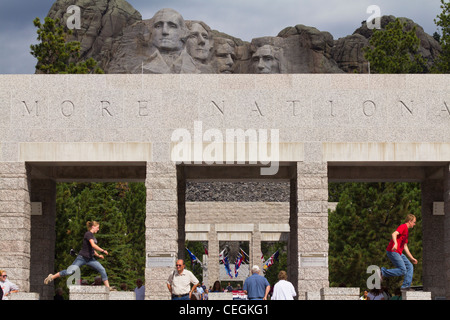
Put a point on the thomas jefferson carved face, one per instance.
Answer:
(198, 44)
(169, 30)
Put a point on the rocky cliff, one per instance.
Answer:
(114, 34)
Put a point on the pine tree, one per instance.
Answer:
(395, 50)
(57, 55)
(133, 206)
(120, 210)
(442, 65)
(361, 227)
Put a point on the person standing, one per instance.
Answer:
(375, 294)
(86, 256)
(283, 289)
(139, 290)
(179, 282)
(364, 296)
(397, 250)
(256, 287)
(7, 286)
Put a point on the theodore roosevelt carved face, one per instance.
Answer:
(224, 56)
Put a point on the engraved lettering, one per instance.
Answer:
(143, 112)
(105, 105)
(294, 107)
(67, 108)
(258, 109)
(331, 108)
(198, 146)
(221, 110)
(406, 108)
(369, 108)
(30, 109)
(446, 108)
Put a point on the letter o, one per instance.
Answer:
(69, 109)
(369, 108)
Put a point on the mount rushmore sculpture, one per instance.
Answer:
(114, 33)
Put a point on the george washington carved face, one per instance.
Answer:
(169, 31)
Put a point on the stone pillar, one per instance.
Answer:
(43, 237)
(15, 226)
(213, 256)
(312, 226)
(433, 260)
(293, 258)
(447, 229)
(255, 245)
(161, 227)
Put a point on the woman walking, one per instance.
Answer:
(86, 256)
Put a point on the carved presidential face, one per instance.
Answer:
(168, 30)
(198, 44)
(223, 57)
(264, 61)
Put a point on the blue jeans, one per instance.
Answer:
(403, 267)
(186, 297)
(81, 261)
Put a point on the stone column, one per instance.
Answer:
(43, 237)
(433, 260)
(15, 226)
(312, 226)
(255, 252)
(446, 252)
(161, 227)
(213, 256)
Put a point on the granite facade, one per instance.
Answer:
(327, 128)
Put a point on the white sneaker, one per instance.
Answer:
(48, 279)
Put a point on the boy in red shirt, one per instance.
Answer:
(395, 249)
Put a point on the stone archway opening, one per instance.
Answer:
(45, 180)
(425, 184)
(232, 208)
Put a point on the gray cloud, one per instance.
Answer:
(243, 19)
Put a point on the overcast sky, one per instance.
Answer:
(245, 19)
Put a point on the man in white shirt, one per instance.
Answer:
(283, 289)
(179, 282)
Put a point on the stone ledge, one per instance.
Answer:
(339, 293)
(98, 293)
(220, 296)
(122, 295)
(416, 295)
(313, 295)
(24, 296)
(88, 293)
